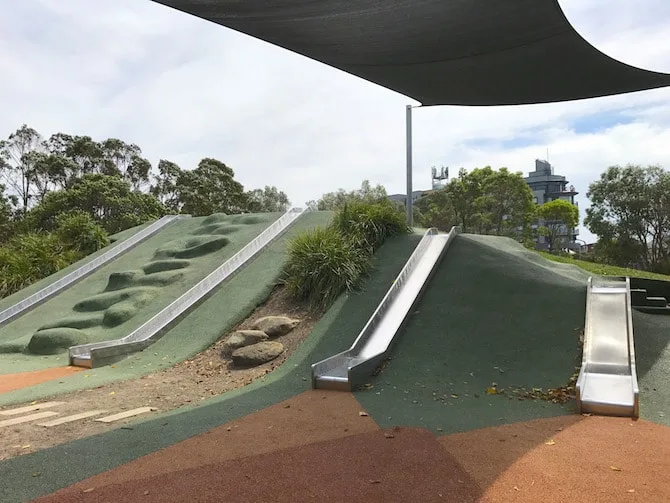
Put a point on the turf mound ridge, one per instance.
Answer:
(492, 318)
(128, 293)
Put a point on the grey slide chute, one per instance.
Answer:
(343, 370)
(607, 382)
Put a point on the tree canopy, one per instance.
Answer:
(559, 218)
(61, 197)
(481, 201)
(630, 214)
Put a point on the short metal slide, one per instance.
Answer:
(101, 353)
(345, 370)
(88, 268)
(607, 382)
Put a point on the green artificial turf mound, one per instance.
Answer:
(493, 313)
(122, 295)
(335, 332)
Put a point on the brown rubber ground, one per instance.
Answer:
(11, 382)
(318, 447)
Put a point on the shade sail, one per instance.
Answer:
(439, 52)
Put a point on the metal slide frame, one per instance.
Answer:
(607, 382)
(102, 353)
(85, 270)
(345, 370)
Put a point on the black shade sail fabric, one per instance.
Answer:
(439, 52)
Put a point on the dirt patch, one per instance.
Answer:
(206, 375)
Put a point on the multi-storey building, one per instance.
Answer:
(547, 186)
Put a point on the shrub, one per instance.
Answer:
(370, 225)
(322, 265)
(79, 232)
(30, 257)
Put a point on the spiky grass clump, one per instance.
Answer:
(31, 257)
(322, 265)
(368, 226)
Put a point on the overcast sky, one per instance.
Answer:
(183, 89)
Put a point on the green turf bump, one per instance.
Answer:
(165, 265)
(56, 340)
(85, 321)
(192, 248)
(100, 302)
(248, 219)
(120, 313)
(220, 229)
(120, 280)
(215, 218)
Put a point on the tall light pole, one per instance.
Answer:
(409, 202)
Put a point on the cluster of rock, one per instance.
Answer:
(249, 348)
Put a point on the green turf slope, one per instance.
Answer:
(127, 292)
(494, 312)
(116, 239)
(231, 303)
(652, 359)
(69, 463)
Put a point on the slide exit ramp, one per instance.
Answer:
(88, 268)
(344, 371)
(607, 383)
(102, 353)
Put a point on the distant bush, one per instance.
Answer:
(30, 257)
(322, 265)
(370, 225)
(325, 263)
(79, 232)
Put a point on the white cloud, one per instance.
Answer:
(183, 89)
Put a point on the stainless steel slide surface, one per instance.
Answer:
(343, 370)
(607, 382)
(95, 354)
(70, 279)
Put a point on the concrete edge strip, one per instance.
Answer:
(126, 414)
(69, 419)
(27, 419)
(30, 408)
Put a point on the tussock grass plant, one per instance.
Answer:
(322, 265)
(370, 225)
(327, 262)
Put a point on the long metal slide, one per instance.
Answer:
(80, 273)
(607, 383)
(101, 353)
(345, 370)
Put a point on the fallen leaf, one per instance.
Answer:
(25, 446)
(550, 442)
(33, 403)
(491, 391)
(615, 469)
(112, 393)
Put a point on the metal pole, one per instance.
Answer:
(409, 203)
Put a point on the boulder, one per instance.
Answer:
(242, 338)
(275, 326)
(257, 354)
